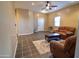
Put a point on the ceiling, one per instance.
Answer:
(36, 6)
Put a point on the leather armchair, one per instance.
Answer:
(63, 48)
(65, 31)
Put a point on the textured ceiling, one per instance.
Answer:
(36, 6)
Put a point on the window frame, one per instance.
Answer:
(55, 21)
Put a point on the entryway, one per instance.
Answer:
(40, 24)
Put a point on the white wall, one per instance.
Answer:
(25, 23)
(67, 15)
(77, 43)
(31, 22)
(8, 37)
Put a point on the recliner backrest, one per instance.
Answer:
(70, 45)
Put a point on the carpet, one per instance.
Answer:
(42, 46)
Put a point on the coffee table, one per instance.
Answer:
(53, 36)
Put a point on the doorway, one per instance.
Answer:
(40, 24)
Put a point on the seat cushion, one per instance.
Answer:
(62, 42)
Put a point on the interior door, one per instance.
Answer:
(41, 24)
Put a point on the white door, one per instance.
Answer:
(40, 24)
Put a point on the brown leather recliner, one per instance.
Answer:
(65, 31)
(63, 48)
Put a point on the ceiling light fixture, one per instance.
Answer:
(47, 7)
(44, 11)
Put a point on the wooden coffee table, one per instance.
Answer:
(53, 36)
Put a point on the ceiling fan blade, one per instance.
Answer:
(54, 6)
(48, 6)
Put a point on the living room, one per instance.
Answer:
(40, 24)
(49, 33)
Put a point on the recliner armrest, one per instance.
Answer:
(57, 49)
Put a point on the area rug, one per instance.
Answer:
(42, 46)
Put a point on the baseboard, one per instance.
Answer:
(25, 34)
(39, 31)
(15, 49)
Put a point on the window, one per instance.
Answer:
(57, 21)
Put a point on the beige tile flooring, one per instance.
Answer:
(26, 48)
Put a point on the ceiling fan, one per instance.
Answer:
(48, 6)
